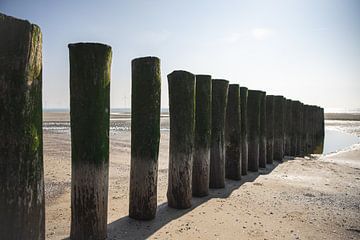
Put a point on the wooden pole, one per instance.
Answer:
(182, 130)
(288, 127)
(269, 129)
(244, 143)
(253, 106)
(217, 155)
(262, 145)
(233, 134)
(90, 67)
(22, 203)
(201, 164)
(145, 137)
(278, 128)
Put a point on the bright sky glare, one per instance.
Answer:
(302, 49)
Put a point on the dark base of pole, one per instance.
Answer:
(253, 155)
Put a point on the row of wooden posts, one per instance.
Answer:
(217, 131)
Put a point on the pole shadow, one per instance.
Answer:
(128, 228)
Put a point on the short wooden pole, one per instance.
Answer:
(145, 137)
(201, 164)
(269, 129)
(278, 128)
(22, 202)
(253, 121)
(244, 143)
(233, 134)
(262, 144)
(182, 130)
(217, 156)
(90, 66)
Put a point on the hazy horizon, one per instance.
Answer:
(305, 50)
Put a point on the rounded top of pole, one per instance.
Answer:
(234, 85)
(180, 75)
(256, 91)
(88, 44)
(147, 59)
(221, 81)
(200, 76)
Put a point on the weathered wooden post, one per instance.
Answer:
(244, 143)
(145, 137)
(253, 121)
(278, 128)
(299, 129)
(288, 127)
(90, 67)
(182, 129)
(22, 206)
(233, 134)
(269, 129)
(201, 162)
(294, 125)
(262, 145)
(217, 155)
(304, 131)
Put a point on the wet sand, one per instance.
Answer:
(302, 198)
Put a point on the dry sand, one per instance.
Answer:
(317, 198)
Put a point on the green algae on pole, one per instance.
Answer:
(262, 139)
(90, 67)
(22, 203)
(217, 153)
(182, 129)
(295, 110)
(145, 137)
(278, 128)
(253, 136)
(233, 134)
(299, 129)
(201, 158)
(269, 129)
(244, 143)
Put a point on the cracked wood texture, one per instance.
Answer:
(217, 155)
(182, 129)
(269, 129)
(201, 161)
(90, 67)
(253, 106)
(262, 144)
(22, 207)
(233, 134)
(279, 128)
(244, 143)
(145, 137)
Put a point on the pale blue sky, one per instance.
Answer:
(305, 49)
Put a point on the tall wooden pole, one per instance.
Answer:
(22, 203)
(278, 128)
(182, 129)
(201, 164)
(217, 156)
(262, 142)
(269, 129)
(253, 106)
(233, 134)
(145, 108)
(244, 143)
(90, 67)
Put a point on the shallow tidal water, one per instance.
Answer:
(336, 140)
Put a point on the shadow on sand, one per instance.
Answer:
(127, 228)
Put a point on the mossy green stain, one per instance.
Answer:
(145, 108)
(90, 102)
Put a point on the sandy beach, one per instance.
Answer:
(302, 198)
